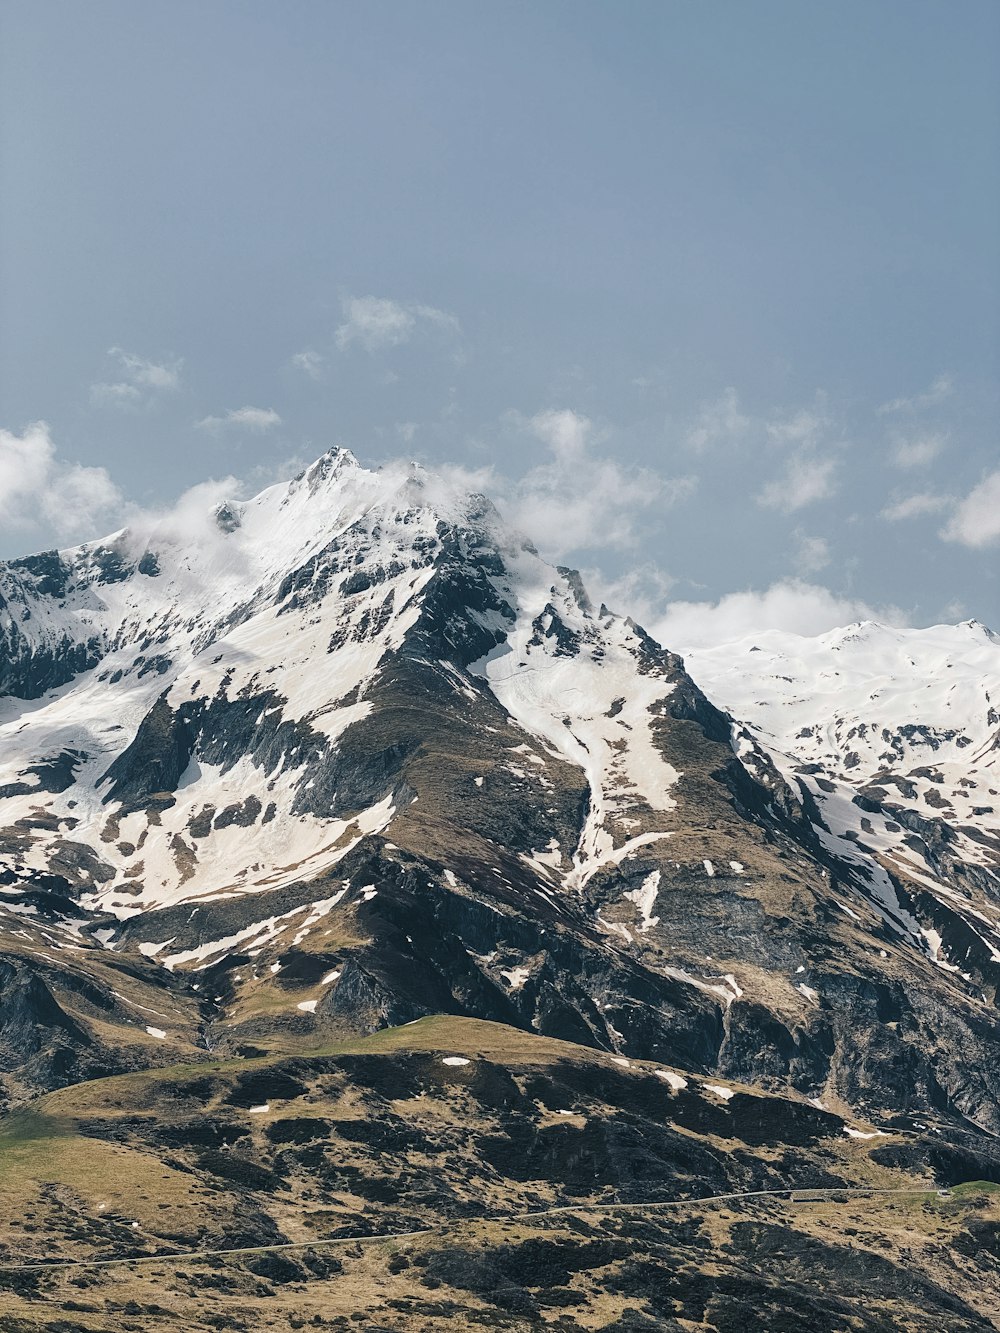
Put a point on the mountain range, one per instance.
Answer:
(358, 873)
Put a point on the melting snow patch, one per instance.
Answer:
(861, 1134)
(515, 977)
(368, 893)
(156, 1032)
(454, 1060)
(675, 1080)
(709, 868)
(844, 908)
(479, 781)
(307, 1006)
(330, 976)
(808, 992)
(934, 943)
(719, 1090)
(620, 1060)
(644, 898)
(737, 867)
(260, 1110)
(276, 967)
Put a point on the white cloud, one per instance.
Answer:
(39, 489)
(918, 452)
(806, 479)
(579, 499)
(257, 419)
(115, 395)
(976, 520)
(190, 520)
(813, 553)
(149, 374)
(565, 432)
(790, 605)
(640, 592)
(310, 362)
(142, 381)
(913, 506)
(718, 423)
(942, 389)
(724, 421)
(375, 322)
(803, 428)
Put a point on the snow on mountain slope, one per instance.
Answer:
(580, 683)
(215, 615)
(895, 735)
(251, 639)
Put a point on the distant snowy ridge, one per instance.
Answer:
(895, 734)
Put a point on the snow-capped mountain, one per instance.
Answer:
(198, 752)
(350, 752)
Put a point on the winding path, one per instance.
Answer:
(808, 1193)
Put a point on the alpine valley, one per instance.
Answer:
(390, 937)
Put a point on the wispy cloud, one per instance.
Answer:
(580, 498)
(39, 489)
(915, 506)
(976, 520)
(375, 322)
(806, 478)
(812, 553)
(941, 390)
(719, 422)
(640, 592)
(140, 382)
(311, 363)
(257, 419)
(803, 428)
(918, 451)
(791, 605)
(119, 395)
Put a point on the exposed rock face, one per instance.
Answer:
(354, 754)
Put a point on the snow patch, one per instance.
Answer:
(644, 898)
(719, 1090)
(515, 976)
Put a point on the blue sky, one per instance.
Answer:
(708, 294)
